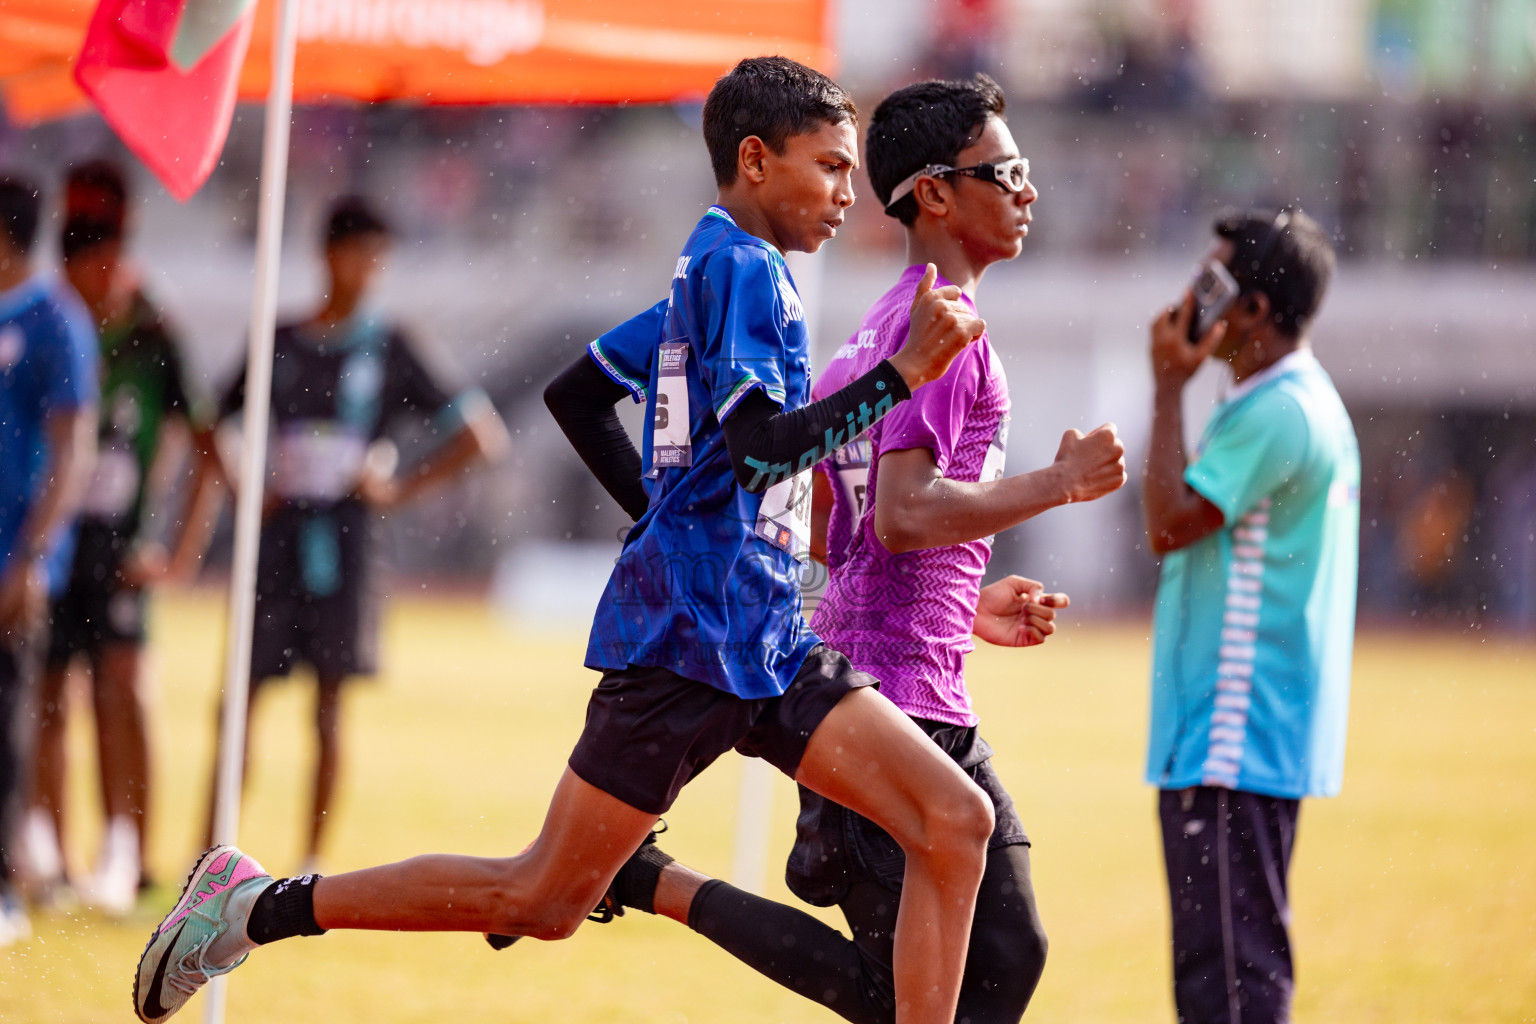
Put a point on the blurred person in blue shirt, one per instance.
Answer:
(47, 435)
(1254, 631)
(147, 419)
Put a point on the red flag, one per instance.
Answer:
(164, 75)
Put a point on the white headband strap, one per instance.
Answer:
(909, 183)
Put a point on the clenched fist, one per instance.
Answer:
(1016, 612)
(942, 325)
(1091, 466)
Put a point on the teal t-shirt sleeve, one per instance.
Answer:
(744, 322)
(625, 353)
(1250, 452)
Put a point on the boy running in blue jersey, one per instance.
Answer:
(699, 633)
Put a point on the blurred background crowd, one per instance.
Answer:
(1407, 127)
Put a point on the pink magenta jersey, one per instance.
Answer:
(906, 619)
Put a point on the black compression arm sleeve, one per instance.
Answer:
(767, 445)
(582, 400)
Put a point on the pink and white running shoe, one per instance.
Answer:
(217, 897)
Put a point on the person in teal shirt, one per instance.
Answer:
(1259, 534)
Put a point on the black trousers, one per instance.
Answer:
(17, 674)
(853, 977)
(1228, 854)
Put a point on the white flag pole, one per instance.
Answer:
(754, 806)
(754, 800)
(253, 453)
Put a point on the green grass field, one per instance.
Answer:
(1415, 892)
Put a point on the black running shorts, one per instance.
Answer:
(836, 848)
(649, 731)
(95, 608)
(317, 600)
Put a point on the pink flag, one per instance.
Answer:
(163, 74)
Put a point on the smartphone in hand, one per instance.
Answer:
(1215, 290)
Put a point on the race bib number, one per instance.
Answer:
(852, 461)
(317, 460)
(784, 518)
(992, 465)
(671, 438)
(997, 455)
(114, 485)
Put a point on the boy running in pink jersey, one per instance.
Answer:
(914, 503)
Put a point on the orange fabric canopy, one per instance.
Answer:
(454, 51)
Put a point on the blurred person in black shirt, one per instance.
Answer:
(340, 380)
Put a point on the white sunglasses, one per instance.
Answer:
(1009, 174)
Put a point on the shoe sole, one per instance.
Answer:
(138, 972)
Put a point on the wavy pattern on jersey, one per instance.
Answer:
(906, 619)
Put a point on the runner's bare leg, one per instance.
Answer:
(544, 892)
(871, 758)
(866, 755)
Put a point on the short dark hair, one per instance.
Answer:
(82, 232)
(96, 190)
(773, 98)
(1286, 255)
(925, 123)
(20, 202)
(352, 216)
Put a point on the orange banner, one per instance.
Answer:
(455, 51)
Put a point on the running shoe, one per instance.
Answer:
(175, 963)
(610, 907)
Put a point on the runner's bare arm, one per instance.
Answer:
(921, 508)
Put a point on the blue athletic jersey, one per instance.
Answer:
(1255, 622)
(47, 363)
(707, 584)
